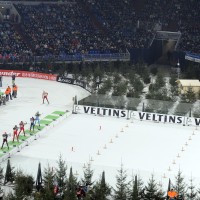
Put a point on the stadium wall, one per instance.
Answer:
(28, 74)
(72, 81)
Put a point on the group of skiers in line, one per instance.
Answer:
(33, 121)
(10, 94)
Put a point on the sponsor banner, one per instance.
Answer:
(79, 83)
(74, 82)
(101, 111)
(65, 80)
(154, 117)
(173, 119)
(28, 74)
(192, 57)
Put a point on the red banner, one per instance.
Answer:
(28, 74)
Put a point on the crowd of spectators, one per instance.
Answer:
(61, 29)
(190, 40)
(92, 26)
(189, 25)
(122, 23)
(176, 15)
(11, 43)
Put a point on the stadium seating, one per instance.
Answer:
(75, 27)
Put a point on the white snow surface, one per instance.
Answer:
(144, 148)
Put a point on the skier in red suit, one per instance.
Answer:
(44, 96)
(15, 134)
(21, 127)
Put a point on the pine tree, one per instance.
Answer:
(161, 195)
(98, 72)
(23, 185)
(169, 188)
(190, 95)
(160, 81)
(135, 192)
(75, 71)
(120, 89)
(70, 192)
(198, 194)
(39, 178)
(88, 173)
(105, 86)
(191, 194)
(10, 196)
(101, 189)
(61, 174)
(39, 187)
(138, 85)
(173, 80)
(151, 190)
(121, 192)
(87, 181)
(9, 175)
(180, 185)
(48, 180)
(140, 186)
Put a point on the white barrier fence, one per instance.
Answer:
(129, 114)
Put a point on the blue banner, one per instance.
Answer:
(192, 57)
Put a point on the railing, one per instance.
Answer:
(66, 58)
(107, 57)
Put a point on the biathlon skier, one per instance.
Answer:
(5, 140)
(21, 127)
(32, 125)
(37, 117)
(45, 96)
(15, 133)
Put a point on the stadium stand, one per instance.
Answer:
(71, 29)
